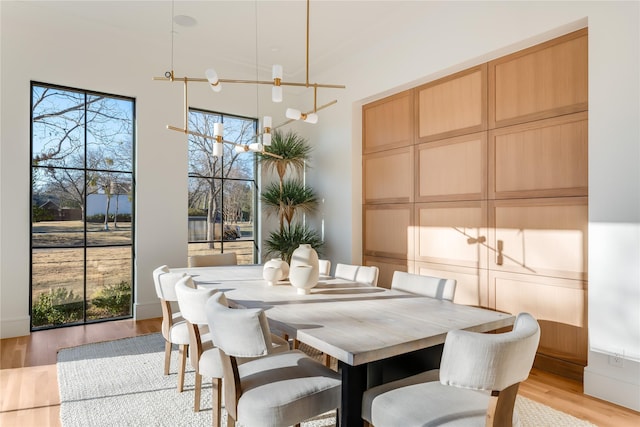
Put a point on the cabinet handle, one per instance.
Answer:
(500, 259)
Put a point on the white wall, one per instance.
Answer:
(450, 36)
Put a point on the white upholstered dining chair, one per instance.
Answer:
(280, 389)
(324, 267)
(357, 273)
(203, 356)
(367, 274)
(345, 271)
(174, 328)
(213, 260)
(476, 384)
(428, 286)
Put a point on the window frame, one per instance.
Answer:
(223, 179)
(85, 245)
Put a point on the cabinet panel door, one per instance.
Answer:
(386, 267)
(540, 236)
(388, 176)
(560, 305)
(388, 123)
(388, 230)
(471, 283)
(454, 105)
(452, 233)
(452, 169)
(549, 79)
(547, 158)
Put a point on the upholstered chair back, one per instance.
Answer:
(324, 267)
(213, 260)
(156, 278)
(367, 274)
(346, 271)
(500, 360)
(166, 288)
(428, 286)
(477, 383)
(192, 300)
(242, 333)
(174, 328)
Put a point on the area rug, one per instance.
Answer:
(120, 383)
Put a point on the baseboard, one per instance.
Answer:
(619, 385)
(560, 367)
(147, 310)
(15, 327)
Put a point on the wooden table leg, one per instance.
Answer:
(354, 383)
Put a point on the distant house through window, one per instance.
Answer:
(82, 198)
(222, 190)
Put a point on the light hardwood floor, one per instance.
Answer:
(29, 386)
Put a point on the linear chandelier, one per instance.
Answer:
(263, 137)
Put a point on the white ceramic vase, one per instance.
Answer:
(271, 275)
(301, 278)
(281, 264)
(303, 272)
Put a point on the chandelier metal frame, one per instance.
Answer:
(215, 84)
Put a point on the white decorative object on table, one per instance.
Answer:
(278, 263)
(301, 277)
(271, 275)
(303, 272)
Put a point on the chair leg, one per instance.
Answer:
(216, 400)
(296, 344)
(230, 421)
(326, 359)
(167, 357)
(501, 404)
(182, 351)
(197, 393)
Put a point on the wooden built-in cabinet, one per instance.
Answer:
(387, 179)
(547, 80)
(389, 230)
(471, 283)
(482, 176)
(453, 105)
(388, 123)
(560, 305)
(541, 236)
(546, 158)
(452, 169)
(452, 233)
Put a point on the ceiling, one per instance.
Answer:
(227, 32)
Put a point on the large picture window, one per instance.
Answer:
(222, 190)
(82, 198)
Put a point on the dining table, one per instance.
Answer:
(376, 334)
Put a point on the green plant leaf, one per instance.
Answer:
(284, 242)
(294, 150)
(293, 197)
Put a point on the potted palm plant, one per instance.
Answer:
(289, 197)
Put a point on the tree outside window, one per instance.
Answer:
(222, 190)
(82, 206)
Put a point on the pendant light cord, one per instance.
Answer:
(172, 31)
(257, 91)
